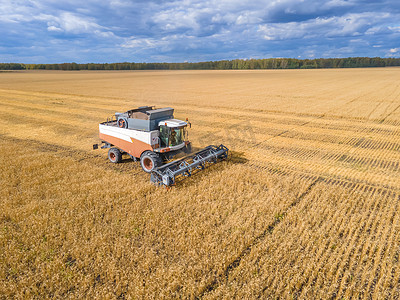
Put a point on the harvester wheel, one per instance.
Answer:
(114, 155)
(149, 161)
(122, 123)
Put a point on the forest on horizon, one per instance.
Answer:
(236, 64)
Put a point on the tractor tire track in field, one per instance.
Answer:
(331, 180)
(216, 282)
(389, 114)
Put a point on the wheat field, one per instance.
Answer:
(306, 206)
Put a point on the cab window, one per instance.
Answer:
(164, 133)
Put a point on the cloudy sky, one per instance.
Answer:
(51, 31)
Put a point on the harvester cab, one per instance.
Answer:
(173, 133)
(154, 137)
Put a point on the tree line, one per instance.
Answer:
(236, 64)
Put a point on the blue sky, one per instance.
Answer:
(51, 31)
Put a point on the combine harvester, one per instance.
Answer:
(154, 137)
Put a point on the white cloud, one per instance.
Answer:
(338, 3)
(248, 18)
(56, 20)
(54, 28)
(394, 28)
(145, 44)
(141, 43)
(176, 19)
(347, 25)
(393, 52)
(72, 23)
(120, 3)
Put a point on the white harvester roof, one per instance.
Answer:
(172, 123)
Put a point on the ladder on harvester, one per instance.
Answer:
(169, 173)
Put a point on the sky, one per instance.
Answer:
(84, 31)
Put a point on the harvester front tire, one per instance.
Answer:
(114, 155)
(149, 161)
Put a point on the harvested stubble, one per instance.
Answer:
(306, 208)
(71, 227)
